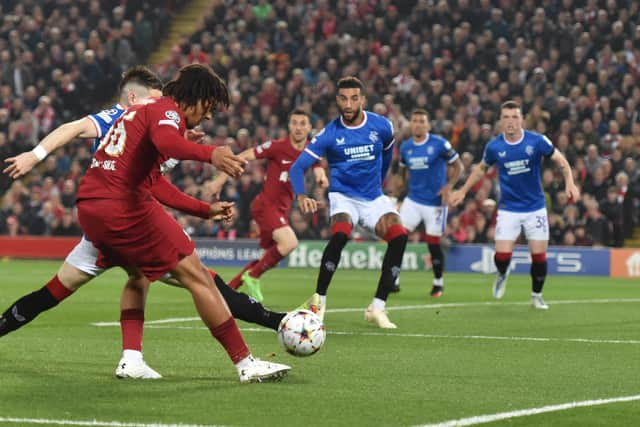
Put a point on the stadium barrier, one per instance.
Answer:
(37, 247)
(368, 256)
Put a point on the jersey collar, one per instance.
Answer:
(364, 122)
(513, 143)
(424, 141)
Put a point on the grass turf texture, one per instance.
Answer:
(442, 363)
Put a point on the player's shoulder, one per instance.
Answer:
(374, 119)
(438, 139)
(536, 137)
(165, 108)
(110, 114)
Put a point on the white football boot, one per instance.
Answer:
(135, 368)
(260, 370)
(378, 318)
(537, 302)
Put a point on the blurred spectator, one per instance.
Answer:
(575, 71)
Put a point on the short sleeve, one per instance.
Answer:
(104, 120)
(402, 153)
(488, 157)
(318, 145)
(387, 134)
(449, 153)
(546, 146)
(264, 150)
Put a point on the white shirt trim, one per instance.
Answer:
(312, 154)
(424, 141)
(513, 143)
(355, 127)
(168, 122)
(96, 125)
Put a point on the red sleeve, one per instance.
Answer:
(264, 150)
(169, 195)
(164, 133)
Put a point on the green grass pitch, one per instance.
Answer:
(456, 357)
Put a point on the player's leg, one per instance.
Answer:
(537, 231)
(391, 230)
(435, 219)
(243, 307)
(132, 303)
(410, 217)
(508, 227)
(78, 269)
(340, 234)
(214, 312)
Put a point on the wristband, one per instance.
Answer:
(40, 152)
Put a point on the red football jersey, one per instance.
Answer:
(128, 159)
(280, 154)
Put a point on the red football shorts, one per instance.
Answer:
(134, 234)
(269, 217)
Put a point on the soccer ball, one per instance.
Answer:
(301, 333)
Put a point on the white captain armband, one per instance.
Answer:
(40, 152)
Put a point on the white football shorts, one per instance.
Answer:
(364, 212)
(434, 217)
(535, 225)
(84, 256)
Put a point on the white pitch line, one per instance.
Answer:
(92, 423)
(410, 307)
(482, 419)
(433, 336)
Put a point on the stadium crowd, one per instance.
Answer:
(573, 65)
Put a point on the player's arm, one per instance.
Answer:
(454, 172)
(169, 195)
(387, 156)
(296, 174)
(217, 184)
(170, 143)
(320, 175)
(477, 172)
(570, 187)
(59, 137)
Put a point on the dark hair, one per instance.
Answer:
(510, 105)
(195, 83)
(350, 82)
(140, 75)
(420, 111)
(299, 111)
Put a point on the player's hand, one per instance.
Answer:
(221, 211)
(307, 204)
(572, 192)
(224, 159)
(215, 187)
(20, 164)
(456, 198)
(445, 193)
(321, 179)
(194, 135)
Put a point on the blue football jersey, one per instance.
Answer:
(103, 122)
(427, 163)
(354, 154)
(519, 169)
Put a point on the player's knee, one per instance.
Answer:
(539, 258)
(341, 230)
(431, 239)
(395, 231)
(71, 277)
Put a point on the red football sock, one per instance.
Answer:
(237, 280)
(229, 336)
(131, 323)
(270, 259)
(57, 289)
